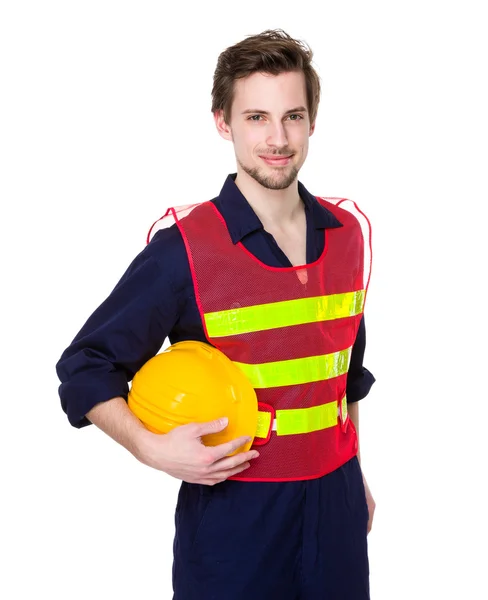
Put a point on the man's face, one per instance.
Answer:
(270, 120)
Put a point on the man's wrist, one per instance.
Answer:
(144, 447)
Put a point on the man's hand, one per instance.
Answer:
(181, 453)
(370, 502)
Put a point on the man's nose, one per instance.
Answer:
(277, 135)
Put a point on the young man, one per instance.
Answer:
(289, 518)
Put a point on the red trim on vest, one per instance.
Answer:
(370, 240)
(148, 239)
(285, 269)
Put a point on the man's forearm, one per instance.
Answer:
(116, 419)
(353, 411)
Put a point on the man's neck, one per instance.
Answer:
(274, 208)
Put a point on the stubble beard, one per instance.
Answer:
(280, 181)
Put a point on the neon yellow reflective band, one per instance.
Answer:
(298, 370)
(283, 314)
(264, 421)
(306, 420)
(301, 420)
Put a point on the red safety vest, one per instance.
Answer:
(291, 330)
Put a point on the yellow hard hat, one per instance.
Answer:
(193, 382)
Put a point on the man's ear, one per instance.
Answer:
(222, 127)
(312, 128)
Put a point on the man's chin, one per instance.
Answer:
(275, 179)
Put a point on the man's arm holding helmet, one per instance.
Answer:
(126, 330)
(180, 453)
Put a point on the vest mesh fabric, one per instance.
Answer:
(227, 277)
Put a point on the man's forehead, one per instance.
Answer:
(286, 88)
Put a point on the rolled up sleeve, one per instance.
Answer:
(359, 379)
(125, 331)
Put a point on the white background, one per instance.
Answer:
(100, 101)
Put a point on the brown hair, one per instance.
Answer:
(273, 51)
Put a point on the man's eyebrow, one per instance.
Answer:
(265, 112)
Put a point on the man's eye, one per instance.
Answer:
(257, 117)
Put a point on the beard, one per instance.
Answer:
(279, 181)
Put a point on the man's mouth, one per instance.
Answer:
(276, 160)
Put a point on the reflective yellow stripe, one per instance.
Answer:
(283, 314)
(300, 420)
(344, 409)
(298, 370)
(264, 421)
(306, 420)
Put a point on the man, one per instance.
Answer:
(287, 519)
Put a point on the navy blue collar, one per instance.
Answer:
(242, 220)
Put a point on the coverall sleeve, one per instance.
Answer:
(359, 379)
(124, 332)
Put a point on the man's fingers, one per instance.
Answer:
(210, 427)
(222, 450)
(218, 452)
(231, 462)
(223, 475)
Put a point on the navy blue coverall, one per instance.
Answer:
(303, 540)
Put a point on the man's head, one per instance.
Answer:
(265, 99)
